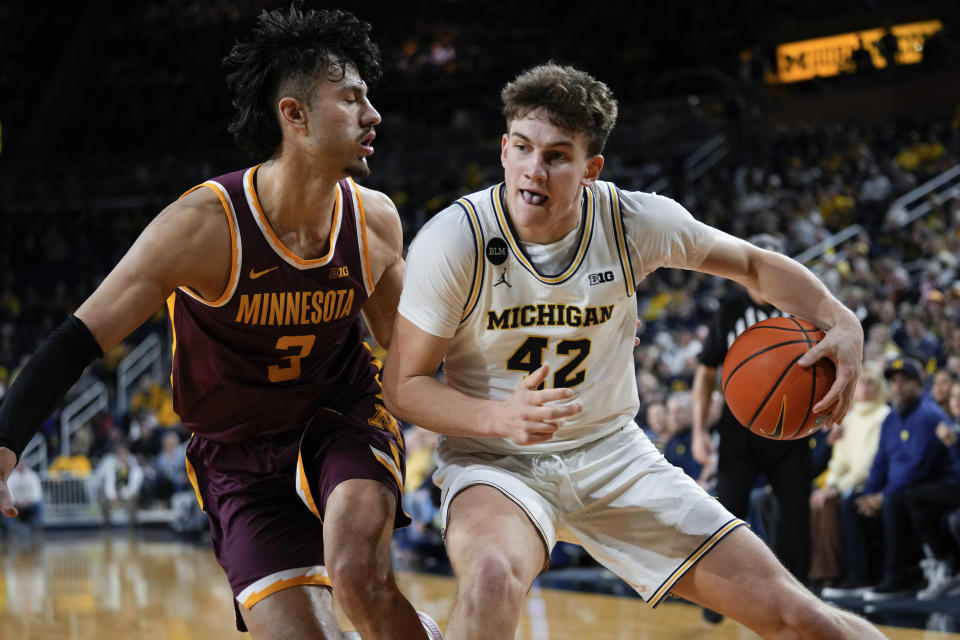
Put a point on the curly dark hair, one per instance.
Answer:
(290, 49)
(573, 99)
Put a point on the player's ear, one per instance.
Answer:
(503, 149)
(292, 112)
(594, 165)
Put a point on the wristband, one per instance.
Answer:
(40, 387)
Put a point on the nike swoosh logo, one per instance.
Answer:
(778, 430)
(256, 274)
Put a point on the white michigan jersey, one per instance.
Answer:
(469, 278)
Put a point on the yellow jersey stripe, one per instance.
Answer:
(280, 581)
(192, 477)
(696, 555)
(518, 252)
(365, 253)
(171, 304)
(235, 248)
(479, 266)
(620, 233)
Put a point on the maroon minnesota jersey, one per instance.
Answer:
(285, 338)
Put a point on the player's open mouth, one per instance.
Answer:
(366, 143)
(532, 197)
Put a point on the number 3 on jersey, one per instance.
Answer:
(529, 358)
(303, 344)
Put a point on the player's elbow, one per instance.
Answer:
(391, 392)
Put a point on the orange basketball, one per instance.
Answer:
(765, 388)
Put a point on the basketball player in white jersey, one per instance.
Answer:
(526, 293)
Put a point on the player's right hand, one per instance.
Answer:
(525, 418)
(8, 460)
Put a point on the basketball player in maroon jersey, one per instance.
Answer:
(266, 272)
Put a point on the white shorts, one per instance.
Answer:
(634, 512)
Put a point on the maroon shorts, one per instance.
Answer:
(266, 495)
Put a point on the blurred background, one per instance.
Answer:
(834, 127)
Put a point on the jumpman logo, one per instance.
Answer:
(503, 279)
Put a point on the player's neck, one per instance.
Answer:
(298, 204)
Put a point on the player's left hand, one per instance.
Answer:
(8, 460)
(843, 345)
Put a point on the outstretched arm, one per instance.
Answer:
(789, 286)
(412, 393)
(187, 244)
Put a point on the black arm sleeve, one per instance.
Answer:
(44, 380)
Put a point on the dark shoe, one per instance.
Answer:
(888, 589)
(712, 616)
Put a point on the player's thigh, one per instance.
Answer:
(350, 475)
(485, 525)
(640, 516)
(742, 579)
(304, 612)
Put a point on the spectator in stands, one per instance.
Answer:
(145, 435)
(929, 504)
(27, 492)
(879, 346)
(940, 387)
(119, 477)
(655, 423)
(915, 339)
(76, 464)
(678, 449)
(152, 397)
(908, 453)
(169, 467)
(853, 452)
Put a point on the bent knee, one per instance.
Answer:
(491, 576)
(357, 575)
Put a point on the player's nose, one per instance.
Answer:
(371, 117)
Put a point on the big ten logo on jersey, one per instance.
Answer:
(600, 277)
(339, 272)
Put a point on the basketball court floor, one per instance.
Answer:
(97, 585)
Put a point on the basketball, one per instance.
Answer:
(765, 388)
